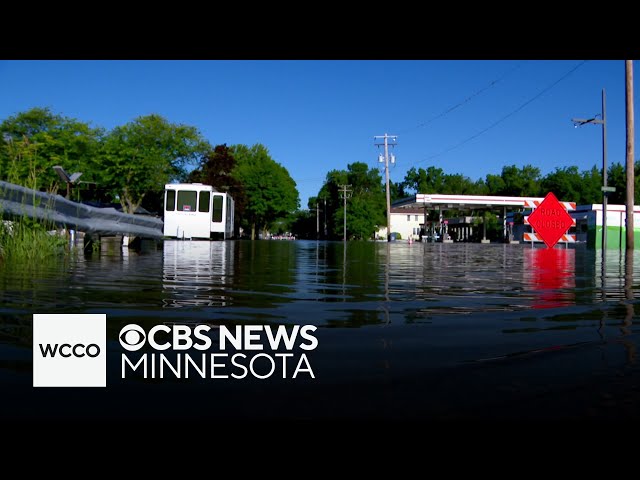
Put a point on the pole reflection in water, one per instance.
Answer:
(385, 305)
(629, 345)
(196, 273)
(344, 271)
(550, 274)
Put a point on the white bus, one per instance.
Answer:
(194, 210)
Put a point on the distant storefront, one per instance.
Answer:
(589, 225)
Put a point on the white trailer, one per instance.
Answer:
(195, 210)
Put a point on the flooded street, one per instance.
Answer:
(428, 331)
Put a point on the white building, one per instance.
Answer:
(405, 221)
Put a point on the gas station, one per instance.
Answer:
(460, 228)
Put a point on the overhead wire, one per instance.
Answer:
(505, 117)
(466, 100)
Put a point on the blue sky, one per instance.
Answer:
(318, 115)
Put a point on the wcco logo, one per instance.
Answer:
(69, 350)
(79, 350)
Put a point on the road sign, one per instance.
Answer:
(550, 220)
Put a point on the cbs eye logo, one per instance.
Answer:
(132, 337)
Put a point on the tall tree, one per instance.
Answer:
(564, 182)
(494, 183)
(430, 180)
(330, 191)
(396, 190)
(145, 154)
(32, 142)
(271, 192)
(521, 182)
(617, 177)
(216, 169)
(366, 206)
(590, 187)
(459, 184)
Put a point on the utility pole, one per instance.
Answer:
(605, 192)
(317, 221)
(577, 122)
(345, 191)
(628, 64)
(325, 218)
(387, 144)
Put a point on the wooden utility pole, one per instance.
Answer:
(630, 152)
(388, 141)
(345, 192)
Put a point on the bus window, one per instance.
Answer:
(171, 201)
(187, 200)
(203, 205)
(217, 208)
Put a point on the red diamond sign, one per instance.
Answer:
(550, 220)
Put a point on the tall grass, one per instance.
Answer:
(24, 239)
(28, 240)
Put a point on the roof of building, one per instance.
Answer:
(408, 210)
(461, 202)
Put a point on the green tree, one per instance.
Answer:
(430, 180)
(434, 180)
(216, 169)
(617, 177)
(145, 154)
(520, 182)
(304, 224)
(565, 183)
(366, 205)
(32, 142)
(590, 187)
(330, 192)
(396, 190)
(495, 184)
(270, 190)
(480, 187)
(365, 210)
(459, 184)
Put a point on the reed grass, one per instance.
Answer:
(32, 241)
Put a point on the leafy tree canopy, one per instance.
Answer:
(32, 142)
(271, 192)
(145, 154)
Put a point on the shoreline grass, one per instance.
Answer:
(28, 240)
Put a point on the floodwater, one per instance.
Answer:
(421, 331)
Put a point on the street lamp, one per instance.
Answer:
(66, 178)
(578, 122)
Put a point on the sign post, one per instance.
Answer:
(550, 220)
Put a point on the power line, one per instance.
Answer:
(502, 119)
(466, 100)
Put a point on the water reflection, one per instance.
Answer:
(196, 273)
(627, 323)
(550, 274)
(440, 320)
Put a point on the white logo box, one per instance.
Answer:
(69, 350)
